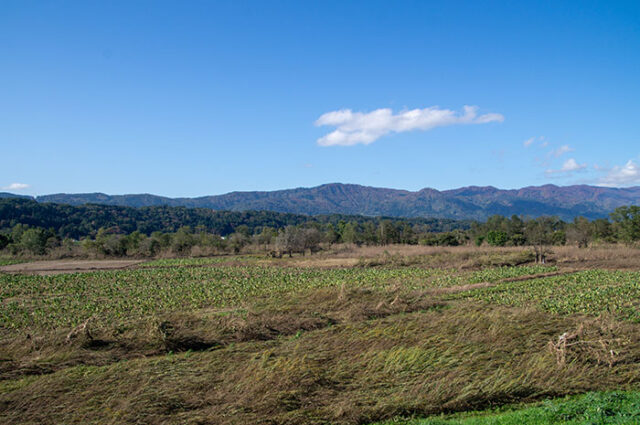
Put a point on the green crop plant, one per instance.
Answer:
(66, 300)
(591, 292)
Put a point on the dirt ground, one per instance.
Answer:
(67, 266)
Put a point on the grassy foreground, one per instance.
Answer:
(204, 342)
(348, 369)
(589, 409)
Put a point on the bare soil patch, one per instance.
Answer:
(67, 266)
(471, 286)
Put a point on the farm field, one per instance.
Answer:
(393, 338)
(319, 213)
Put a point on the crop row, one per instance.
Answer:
(67, 299)
(197, 261)
(591, 292)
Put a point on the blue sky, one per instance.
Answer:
(196, 98)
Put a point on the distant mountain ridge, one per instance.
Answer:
(471, 202)
(13, 195)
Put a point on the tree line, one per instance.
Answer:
(30, 228)
(77, 222)
(22, 239)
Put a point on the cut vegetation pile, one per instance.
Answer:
(236, 344)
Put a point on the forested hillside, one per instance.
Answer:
(85, 220)
(468, 203)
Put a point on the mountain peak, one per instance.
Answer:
(471, 202)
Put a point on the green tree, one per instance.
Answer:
(515, 226)
(16, 233)
(237, 241)
(286, 241)
(559, 237)
(244, 230)
(349, 233)
(266, 236)
(133, 241)
(369, 235)
(580, 232)
(497, 238)
(603, 230)
(518, 239)
(296, 239)
(627, 223)
(34, 241)
(183, 240)
(407, 235)
(4, 241)
(331, 235)
(539, 234)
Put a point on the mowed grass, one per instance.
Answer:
(65, 300)
(591, 292)
(589, 409)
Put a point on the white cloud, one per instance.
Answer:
(561, 151)
(358, 127)
(16, 186)
(622, 175)
(532, 140)
(569, 166)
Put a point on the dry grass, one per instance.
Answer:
(462, 257)
(345, 255)
(472, 257)
(96, 343)
(423, 362)
(614, 257)
(327, 355)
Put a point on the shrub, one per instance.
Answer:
(497, 238)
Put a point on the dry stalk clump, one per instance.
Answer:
(590, 341)
(80, 332)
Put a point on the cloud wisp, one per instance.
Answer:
(354, 128)
(16, 186)
(622, 175)
(569, 166)
(562, 150)
(532, 140)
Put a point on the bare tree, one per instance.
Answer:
(580, 231)
(539, 234)
(294, 239)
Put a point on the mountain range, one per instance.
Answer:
(473, 202)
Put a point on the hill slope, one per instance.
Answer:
(77, 221)
(465, 203)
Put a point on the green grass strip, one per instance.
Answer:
(588, 409)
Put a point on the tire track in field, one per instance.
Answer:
(471, 286)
